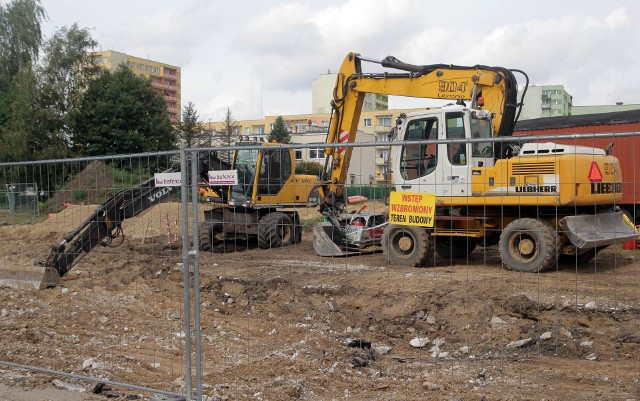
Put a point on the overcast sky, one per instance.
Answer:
(259, 57)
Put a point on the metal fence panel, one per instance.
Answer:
(274, 320)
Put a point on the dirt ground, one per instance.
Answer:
(286, 324)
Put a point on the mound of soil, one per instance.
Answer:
(92, 185)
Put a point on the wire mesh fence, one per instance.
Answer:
(267, 317)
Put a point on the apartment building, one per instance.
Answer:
(322, 94)
(545, 101)
(374, 126)
(165, 78)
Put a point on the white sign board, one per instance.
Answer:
(223, 177)
(168, 179)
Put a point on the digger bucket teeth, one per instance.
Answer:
(590, 231)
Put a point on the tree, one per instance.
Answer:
(191, 130)
(20, 37)
(20, 41)
(228, 135)
(280, 133)
(230, 129)
(64, 74)
(120, 113)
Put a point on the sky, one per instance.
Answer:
(258, 58)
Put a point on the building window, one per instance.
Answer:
(325, 124)
(385, 121)
(367, 122)
(298, 154)
(258, 130)
(555, 91)
(557, 111)
(546, 101)
(556, 101)
(316, 153)
(247, 130)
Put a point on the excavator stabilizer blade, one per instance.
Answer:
(590, 231)
(323, 234)
(26, 276)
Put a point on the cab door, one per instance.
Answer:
(417, 165)
(455, 159)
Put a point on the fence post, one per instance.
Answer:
(184, 202)
(196, 269)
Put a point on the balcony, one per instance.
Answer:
(382, 161)
(382, 178)
(382, 129)
(546, 106)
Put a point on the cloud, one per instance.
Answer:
(260, 58)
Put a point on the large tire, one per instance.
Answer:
(211, 236)
(275, 230)
(455, 247)
(297, 228)
(529, 245)
(407, 245)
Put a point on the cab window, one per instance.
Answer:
(457, 152)
(420, 159)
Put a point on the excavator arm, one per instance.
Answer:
(491, 88)
(105, 223)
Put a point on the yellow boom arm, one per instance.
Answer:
(491, 88)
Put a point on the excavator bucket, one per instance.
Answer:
(590, 231)
(18, 274)
(323, 240)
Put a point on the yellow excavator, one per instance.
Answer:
(261, 206)
(538, 202)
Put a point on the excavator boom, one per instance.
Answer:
(492, 88)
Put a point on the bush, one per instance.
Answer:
(310, 168)
(372, 192)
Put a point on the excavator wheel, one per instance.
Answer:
(297, 229)
(211, 237)
(275, 230)
(529, 245)
(455, 247)
(407, 245)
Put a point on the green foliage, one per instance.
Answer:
(191, 130)
(310, 168)
(20, 41)
(37, 96)
(20, 37)
(372, 192)
(64, 74)
(280, 133)
(80, 194)
(120, 113)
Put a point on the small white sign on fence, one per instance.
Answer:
(223, 177)
(168, 179)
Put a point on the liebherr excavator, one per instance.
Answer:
(253, 208)
(536, 203)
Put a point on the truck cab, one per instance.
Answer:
(442, 168)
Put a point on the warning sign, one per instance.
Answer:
(412, 209)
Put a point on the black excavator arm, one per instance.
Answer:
(105, 223)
